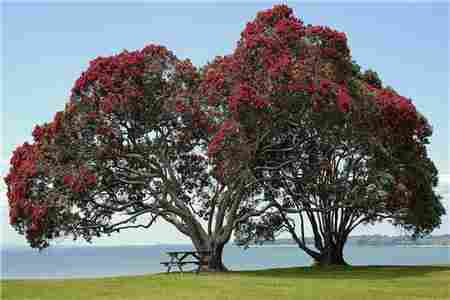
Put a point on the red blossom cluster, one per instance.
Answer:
(338, 93)
(343, 99)
(269, 35)
(279, 65)
(81, 181)
(180, 106)
(213, 82)
(109, 85)
(399, 116)
(264, 55)
(23, 170)
(38, 215)
(277, 58)
(281, 19)
(228, 128)
(19, 181)
(300, 87)
(24, 158)
(199, 118)
(48, 131)
(245, 94)
(333, 43)
(186, 71)
(115, 81)
(126, 64)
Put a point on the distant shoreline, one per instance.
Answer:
(422, 246)
(376, 240)
(352, 245)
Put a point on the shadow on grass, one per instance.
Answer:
(347, 272)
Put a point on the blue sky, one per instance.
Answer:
(47, 46)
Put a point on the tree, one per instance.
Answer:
(129, 148)
(325, 141)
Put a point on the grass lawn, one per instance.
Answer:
(359, 283)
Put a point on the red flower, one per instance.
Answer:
(38, 133)
(325, 86)
(245, 94)
(211, 128)
(343, 100)
(228, 128)
(34, 227)
(13, 215)
(92, 115)
(180, 107)
(107, 105)
(68, 180)
(91, 179)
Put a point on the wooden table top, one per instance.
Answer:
(187, 252)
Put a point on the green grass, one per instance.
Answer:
(359, 283)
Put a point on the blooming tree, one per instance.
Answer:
(326, 142)
(129, 148)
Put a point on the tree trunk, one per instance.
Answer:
(332, 255)
(213, 263)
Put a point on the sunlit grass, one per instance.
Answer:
(377, 283)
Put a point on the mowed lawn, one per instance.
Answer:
(359, 283)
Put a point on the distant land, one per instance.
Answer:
(356, 240)
(377, 240)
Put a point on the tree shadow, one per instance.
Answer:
(347, 272)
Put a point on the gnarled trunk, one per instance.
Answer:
(331, 255)
(213, 262)
(330, 251)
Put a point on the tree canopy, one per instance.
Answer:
(328, 142)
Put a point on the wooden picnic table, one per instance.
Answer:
(178, 258)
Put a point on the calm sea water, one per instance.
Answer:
(135, 260)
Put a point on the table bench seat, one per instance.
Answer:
(174, 263)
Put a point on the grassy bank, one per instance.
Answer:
(359, 283)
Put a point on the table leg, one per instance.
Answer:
(172, 260)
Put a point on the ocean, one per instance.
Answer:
(91, 261)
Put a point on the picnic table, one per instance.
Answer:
(179, 259)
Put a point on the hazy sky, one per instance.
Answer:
(47, 46)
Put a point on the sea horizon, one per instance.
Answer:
(62, 262)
